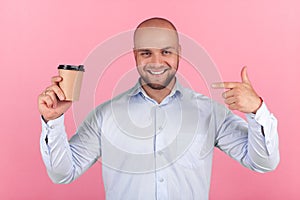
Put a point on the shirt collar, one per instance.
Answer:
(138, 89)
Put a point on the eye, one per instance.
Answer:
(145, 53)
(166, 52)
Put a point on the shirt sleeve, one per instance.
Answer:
(253, 144)
(67, 160)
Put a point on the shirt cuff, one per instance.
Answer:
(264, 118)
(261, 116)
(53, 129)
(52, 124)
(51, 133)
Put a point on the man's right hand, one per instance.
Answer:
(51, 101)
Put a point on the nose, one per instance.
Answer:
(157, 59)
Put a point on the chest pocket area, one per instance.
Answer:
(193, 148)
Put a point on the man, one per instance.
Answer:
(156, 140)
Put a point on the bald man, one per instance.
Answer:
(156, 140)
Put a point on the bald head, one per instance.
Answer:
(155, 33)
(158, 23)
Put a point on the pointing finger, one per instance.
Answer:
(225, 85)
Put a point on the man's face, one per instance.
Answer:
(157, 56)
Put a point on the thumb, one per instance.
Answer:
(244, 75)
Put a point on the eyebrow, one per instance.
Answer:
(142, 49)
(166, 48)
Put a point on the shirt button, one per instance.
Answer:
(52, 126)
(161, 180)
(160, 153)
(160, 128)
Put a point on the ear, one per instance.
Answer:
(134, 53)
(179, 51)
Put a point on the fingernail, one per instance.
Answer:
(214, 85)
(61, 97)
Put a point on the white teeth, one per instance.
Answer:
(157, 73)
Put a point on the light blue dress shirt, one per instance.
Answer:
(159, 151)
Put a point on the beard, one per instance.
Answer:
(159, 84)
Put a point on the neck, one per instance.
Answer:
(158, 95)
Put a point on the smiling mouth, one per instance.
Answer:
(157, 72)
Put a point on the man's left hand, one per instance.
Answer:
(241, 95)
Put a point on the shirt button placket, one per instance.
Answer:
(162, 192)
(162, 189)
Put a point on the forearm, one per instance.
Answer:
(67, 160)
(56, 152)
(263, 151)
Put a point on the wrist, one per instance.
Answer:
(46, 120)
(260, 103)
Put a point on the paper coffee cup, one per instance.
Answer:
(71, 80)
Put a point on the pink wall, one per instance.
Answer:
(36, 36)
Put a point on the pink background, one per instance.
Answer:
(36, 36)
